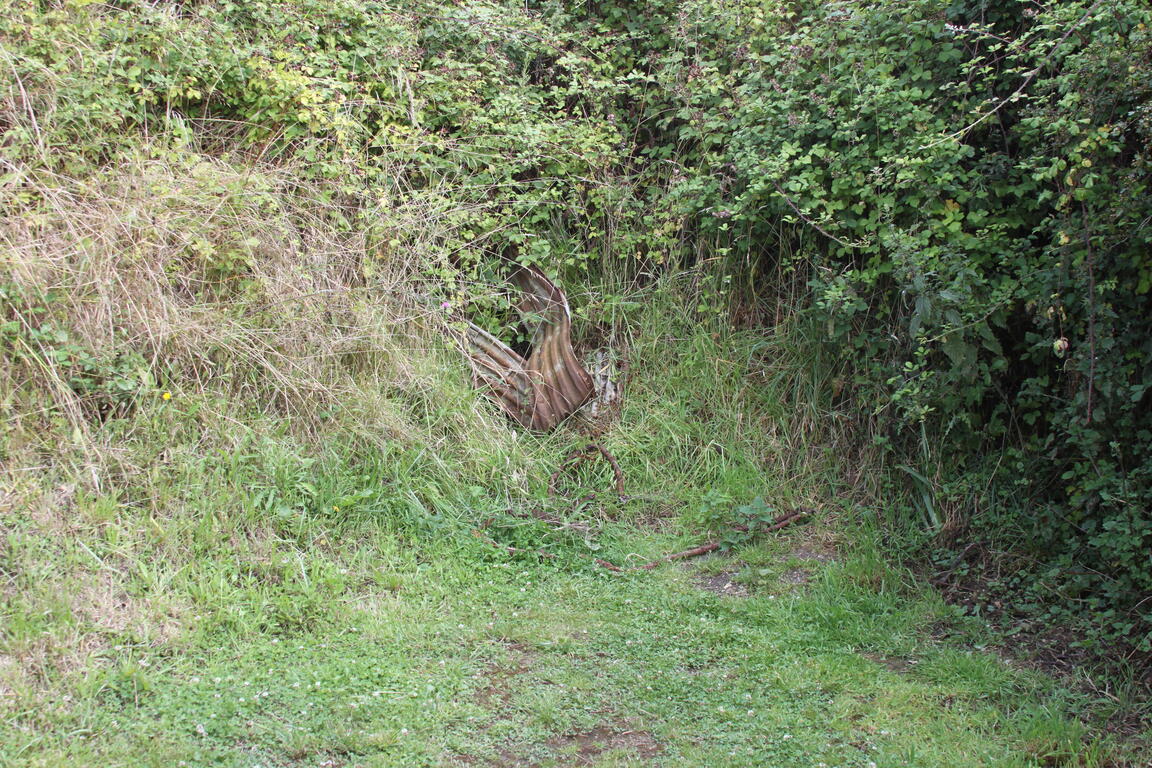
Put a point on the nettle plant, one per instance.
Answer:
(46, 355)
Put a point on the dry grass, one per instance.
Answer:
(201, 276)
(279, 333)
(104, 603)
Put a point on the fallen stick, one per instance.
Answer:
(574, 458)
(511, 550)
(780, 522)
(941, 578)
(703, 549)
(615, 469)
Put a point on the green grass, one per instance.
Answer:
(253, 513)
(237, 594)
(365, 647)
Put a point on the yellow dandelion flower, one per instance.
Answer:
(167, 395)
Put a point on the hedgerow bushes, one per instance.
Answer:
(966, 188)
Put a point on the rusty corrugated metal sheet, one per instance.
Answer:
(549, 385)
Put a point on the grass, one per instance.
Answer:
(247, 595)
(234, 592)
(254, 514)
(451, 653)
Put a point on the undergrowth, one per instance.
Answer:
(255, 512)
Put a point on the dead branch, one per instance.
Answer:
(511, 550)
(780, 522)
(579, 455)
(536, 513)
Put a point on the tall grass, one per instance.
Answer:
(203, 369)
(221, 375)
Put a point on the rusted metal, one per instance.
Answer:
(545, 388)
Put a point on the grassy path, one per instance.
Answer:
(786, 653)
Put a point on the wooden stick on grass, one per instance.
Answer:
(780, 522)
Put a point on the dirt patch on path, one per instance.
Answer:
(822, 555)
(802, 574)
(497, 694)
(611, 737)
(723, 584)
(893, 663)
(609, 740)
(586, 747)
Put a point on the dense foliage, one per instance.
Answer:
(958, 191)
(968, 187)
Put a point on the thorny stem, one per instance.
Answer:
(1091, 313)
